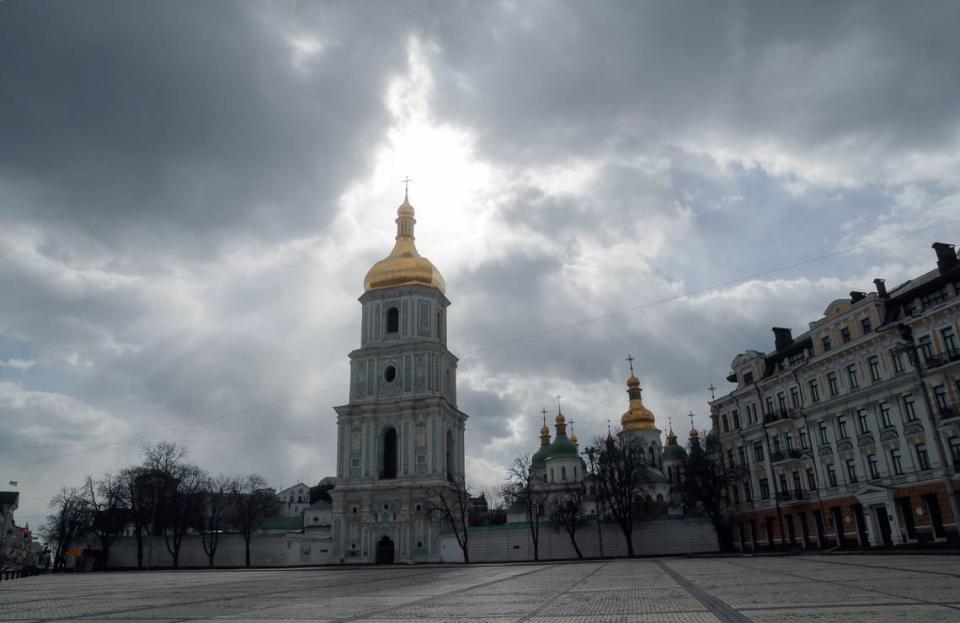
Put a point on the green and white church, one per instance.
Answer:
(401, 434)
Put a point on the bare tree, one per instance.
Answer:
(68, 522)
(567, 510)
(706, 481)
(181, 506)
(523, 490)
(449, 506)
(107, 501)
(620, 472)
(213, 514)
(144, 487)
(250, 504)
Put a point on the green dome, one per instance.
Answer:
(539, 456)
(674, 453)
(561, 448)
(651, 474)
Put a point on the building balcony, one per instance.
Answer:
(790, 496)
(790, 454)
(776, 416)
(948, 412)
(941, 359)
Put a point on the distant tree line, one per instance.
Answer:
(165, 497)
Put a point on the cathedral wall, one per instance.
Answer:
(650, 538)
(266, 550)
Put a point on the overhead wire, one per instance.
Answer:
(514, 340)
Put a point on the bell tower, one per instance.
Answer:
(401, 434)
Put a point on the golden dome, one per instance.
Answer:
(671, 438)
(544, 431)
(694, 434)
(561, 419)
(573, 437)
(638, 417)
(404, 266)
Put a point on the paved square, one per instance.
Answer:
(851, 588)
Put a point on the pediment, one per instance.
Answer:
(865, 440)
(889, 435)
(913, 428)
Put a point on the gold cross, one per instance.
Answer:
(544, 412)
(558, 403)
(406, 185)
(712, 389)
(630, 360)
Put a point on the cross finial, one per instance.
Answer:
(670, 422)
(571, 426)
(406, 185)
(630, 361)
(558, 403)
(544, 412)
(608, 427)
(712, 389)
(690, 415)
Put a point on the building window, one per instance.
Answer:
(758, 452)
(885, 415)
(736, 419)
(783, 483)
(873, 362)
(811, 479)
(796, 483)
(823, 434)
(940, 397)
(736, 495)
(955, 451)
(826, 343)
(814, 390)
(925, 345)
(934, 298)
(747, 494)
(872, 465)
(949, 341)
(781, 401)
(897, 361)
(788, 437)
(725, 422)
(851, 471)
(769, 410)
(795, 397)
(742, 453)
(764, 489)
(803, 438)
(776, 444)
(563, 473)
(923, 459)
(862, 421)
(730, 457)
(831, 475)
(833, 383)
(748, 378)
(393, 320)
(909, 409)
(388, 463)
(895, 460)
(865, 325)
(842, 428)
(795, 360)
(853, 376)
(845, 334)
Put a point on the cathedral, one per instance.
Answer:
(401, 435)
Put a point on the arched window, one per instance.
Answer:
(393, 320)
(450, 450)
(563, 473)
(388, 468)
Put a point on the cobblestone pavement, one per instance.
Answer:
(854, 588)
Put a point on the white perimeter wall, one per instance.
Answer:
(650, 538)
(266, 550)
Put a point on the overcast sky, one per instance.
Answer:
(192, 192)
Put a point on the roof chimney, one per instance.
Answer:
(881, 288)
(782, 337)
(857, 296)
(946, 256)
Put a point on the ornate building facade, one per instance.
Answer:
(849, 433)
(401, 433)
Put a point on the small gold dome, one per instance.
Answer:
(544, 431)
(561, 419)
(573, 437)
(638, 417)
(671, 438)
(694, 434)
(404, 266)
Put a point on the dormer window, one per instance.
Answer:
(826, 343)
(748, 378)
(845, 334)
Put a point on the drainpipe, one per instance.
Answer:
(776, 491)
(753, 506)
(806, 425)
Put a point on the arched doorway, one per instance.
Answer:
(385, 551)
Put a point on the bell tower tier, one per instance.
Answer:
(401, 434)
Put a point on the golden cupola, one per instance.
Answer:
(638, 417)
(404, 266)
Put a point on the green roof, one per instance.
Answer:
(562, 448)
(674, 452)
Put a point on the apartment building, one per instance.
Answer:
(849, 434)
